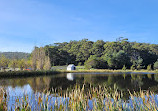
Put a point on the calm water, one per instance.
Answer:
(17, 87)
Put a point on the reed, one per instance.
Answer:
(80, 99)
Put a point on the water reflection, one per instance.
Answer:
(124, 82)
(70, 76)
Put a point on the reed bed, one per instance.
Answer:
(80, 99)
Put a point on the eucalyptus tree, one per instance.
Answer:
(13, 63)
(98, 48)
(4, 62)
(21, 64)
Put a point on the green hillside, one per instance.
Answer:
(17, 55)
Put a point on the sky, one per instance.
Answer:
(28, 23)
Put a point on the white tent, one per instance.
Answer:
(71, 67)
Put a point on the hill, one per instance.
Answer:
(18, 55)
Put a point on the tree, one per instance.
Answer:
(34, 58)
(4, 62)
(116, 60)
(84, 51)
(21, 64)
(40, 58)
(115, 54)
(27, 63)
(92, 62)
(14, 63)
(136, 59)
(53, 53)
(47, 63)
(95, 62)
(98, 48)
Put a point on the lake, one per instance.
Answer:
(17, 87)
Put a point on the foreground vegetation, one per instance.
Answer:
(81, 99)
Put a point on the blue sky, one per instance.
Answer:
(26, 23)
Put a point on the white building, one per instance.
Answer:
(71, 67)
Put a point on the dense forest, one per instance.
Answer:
(100, 54)
(119, 54)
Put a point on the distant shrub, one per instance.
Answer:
(140, 67)
(79, 64)
(156, 65)
(124, 67)
(133, 67)
(149, 68)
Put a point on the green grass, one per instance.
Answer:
(110, 70)
(82, 69)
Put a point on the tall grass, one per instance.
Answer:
(81, 99)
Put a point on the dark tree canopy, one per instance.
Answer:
(100, 54)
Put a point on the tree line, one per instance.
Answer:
(100, 54)
(14, 63)
(119, 54)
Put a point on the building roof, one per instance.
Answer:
(71, 65)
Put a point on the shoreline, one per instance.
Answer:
(52, 72)
(26, 73)
(112, 71)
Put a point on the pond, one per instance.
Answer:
(34, 86)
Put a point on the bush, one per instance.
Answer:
(156, 65)
(133, 67)
(149, 67)
(95, 62)
(124, 67)
(91, 62)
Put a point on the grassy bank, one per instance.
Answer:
(27, 73)
(81, 99)
(51, 72)
(107, 70)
